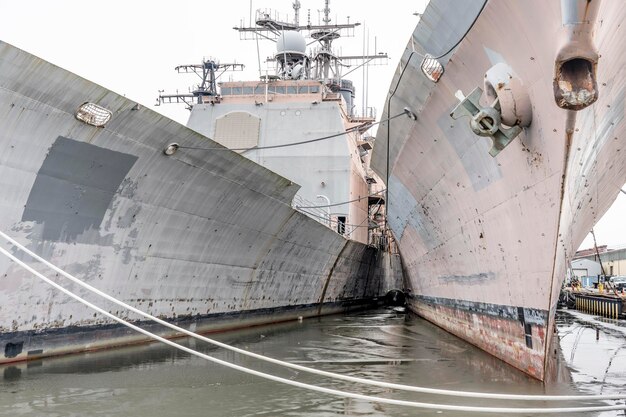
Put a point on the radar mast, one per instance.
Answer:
(321, 63)
(208, 71)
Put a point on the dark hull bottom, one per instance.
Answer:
(29, 345)
(516, 335)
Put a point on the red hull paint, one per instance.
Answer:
(502, 337)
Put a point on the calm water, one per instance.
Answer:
(155, 380)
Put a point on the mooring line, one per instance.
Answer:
(343, 394)
(276, 361)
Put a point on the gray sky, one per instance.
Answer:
(131, 47)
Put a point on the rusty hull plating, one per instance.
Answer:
(575, 84)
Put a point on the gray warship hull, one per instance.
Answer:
(486, 240)
(207, 239)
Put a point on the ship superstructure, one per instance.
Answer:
(305, 97)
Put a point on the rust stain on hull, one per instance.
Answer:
(504, 338)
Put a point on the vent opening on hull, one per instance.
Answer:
(11, 350)
(575, 85)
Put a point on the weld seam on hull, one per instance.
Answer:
(330, 275)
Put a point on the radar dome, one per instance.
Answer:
(291, 41)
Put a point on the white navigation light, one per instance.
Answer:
(93, 114)
(432, 68)
(171, 149)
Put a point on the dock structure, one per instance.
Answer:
(606, 305)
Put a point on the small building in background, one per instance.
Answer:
(613, 260)
(587, 271)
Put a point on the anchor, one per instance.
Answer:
(486, 121)
(510, 106)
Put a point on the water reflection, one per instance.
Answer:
(595, 349)
(157, 380)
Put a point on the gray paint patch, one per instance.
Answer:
(494, 57)
(405, 211)
(126, 220)
(92, 268)
(74, 187)
(401, 204)
(468, 279)
(473, 151)
(423, 224)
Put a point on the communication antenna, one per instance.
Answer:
(326, 12)
(296, 10)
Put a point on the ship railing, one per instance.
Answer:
(268, 22)
(366, 118)
(369, 113)
(319, 214)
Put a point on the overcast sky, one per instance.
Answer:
(132, 47)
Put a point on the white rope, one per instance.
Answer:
(382, 384)
(330, 391)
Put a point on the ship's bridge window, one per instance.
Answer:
(226, 91)
(314, 89)
(248, 90)
(280, 90)
(259, 90)
(304, 89)
(236, 91)
(291, 89)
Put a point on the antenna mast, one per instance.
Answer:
(208, 71)
(296, 10)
